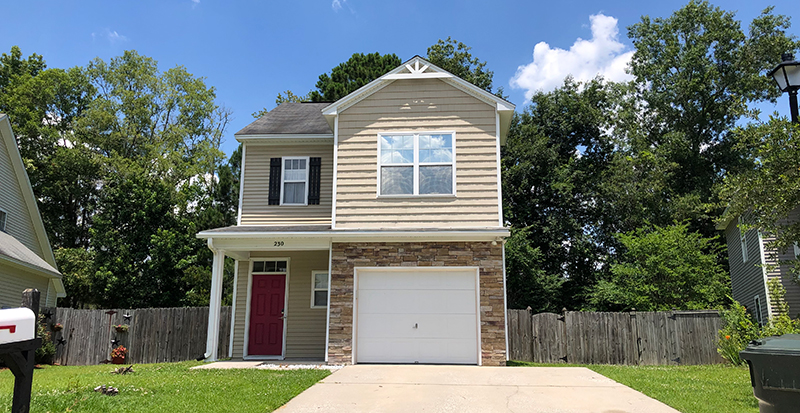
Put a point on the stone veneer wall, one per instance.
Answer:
(347, 256)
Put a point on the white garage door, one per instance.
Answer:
(416, 316)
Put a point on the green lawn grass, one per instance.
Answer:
(166, 387)
(689, 389)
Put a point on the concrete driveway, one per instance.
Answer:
(462, 389)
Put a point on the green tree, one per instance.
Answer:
(287, 96)
(556, 151)
(697, 73)
(125, 160)
(769, 189)
(664, 268)
(13, 66)
(43, 106)
(454, 56)
(357, 71)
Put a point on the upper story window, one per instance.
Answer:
(295, 181)
(3, 221)
(743, 239)
(416, 164)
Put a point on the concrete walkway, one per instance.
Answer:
(463, 389)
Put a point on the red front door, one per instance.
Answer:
(266, 315)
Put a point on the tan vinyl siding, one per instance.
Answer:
(19, 223)
(783, 272)
(421, 105)
(240, 301)
(305, 334)
(255, 199)
(747, 278)
(14, 281)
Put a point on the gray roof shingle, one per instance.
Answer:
(290, 118)
(15, 250)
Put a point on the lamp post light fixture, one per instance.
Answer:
(787, 75)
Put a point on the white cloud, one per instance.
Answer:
(112, 36)
(603, 54)
(195, 3)
(336, 5)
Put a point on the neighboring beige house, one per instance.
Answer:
(26, 259)
(752, 262)
(370, 229)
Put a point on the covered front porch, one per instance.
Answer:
(280, 295)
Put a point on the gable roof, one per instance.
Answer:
(7, 138)
(419, 68)
(290, 118)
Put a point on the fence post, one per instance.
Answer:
(30, 299)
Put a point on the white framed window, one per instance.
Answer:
(294, 180)
(416, 164)
(757, 310)
(743, 239)
(319, 289)
(3, 217)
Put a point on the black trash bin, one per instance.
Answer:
(775, 372)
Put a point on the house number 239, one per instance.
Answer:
(278, 244)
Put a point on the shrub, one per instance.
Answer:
(45, 353)
(739, 328)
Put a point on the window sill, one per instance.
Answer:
(427, 196)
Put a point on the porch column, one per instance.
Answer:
(215, 305)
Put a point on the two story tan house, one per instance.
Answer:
(370, 229)
(26, 258)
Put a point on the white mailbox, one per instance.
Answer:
(17, 324)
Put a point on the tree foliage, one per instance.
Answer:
(556, 151)
(125, 160)
(768, 191)
(592, 160)
(697, 72)
(664, 268)
(454, 56)
(347, 77)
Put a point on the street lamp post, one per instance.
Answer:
(787, 75)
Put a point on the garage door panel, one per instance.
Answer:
(432, 280)
(421, 315)
(457, 351)
(417, 301)
(399, 326)
(383, 350)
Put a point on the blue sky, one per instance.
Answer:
(251, 51)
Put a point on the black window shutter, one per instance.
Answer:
(275, 181)
(314, 172)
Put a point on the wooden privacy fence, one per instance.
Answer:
(155, 335)
(637, 338)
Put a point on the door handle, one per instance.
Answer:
(416, 325)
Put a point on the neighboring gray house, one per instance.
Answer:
(748, 253)
(26, 259)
